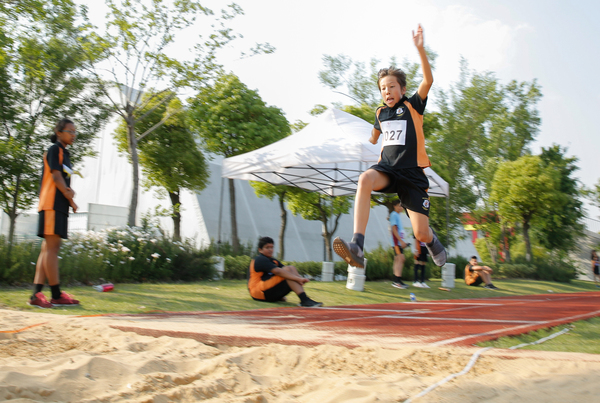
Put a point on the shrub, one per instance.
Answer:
(380, 262)
(509, 270)
(120, 255)
(236, 267)
(20, 267)
(225, 249)
(460, 262)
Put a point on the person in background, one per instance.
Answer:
(270, 281)
(421, 254)
(398, 244)
(56, 196)
(476, 274)
(596, 268)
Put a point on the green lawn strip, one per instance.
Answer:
(581, 338)
(232, 295)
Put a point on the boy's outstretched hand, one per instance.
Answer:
(418, 38)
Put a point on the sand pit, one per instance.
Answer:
(69, 359)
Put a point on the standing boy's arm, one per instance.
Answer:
(427, 74)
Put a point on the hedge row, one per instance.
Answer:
(143, 254)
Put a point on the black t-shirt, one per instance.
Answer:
(265, 264)
(401, 128)
(51, 198)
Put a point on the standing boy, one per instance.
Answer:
(420, 262)
(398, 244)
(401, 163)
(56, 196)
(271, 281)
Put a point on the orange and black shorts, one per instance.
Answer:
(53, 222)
(276, 292)
(474, 279)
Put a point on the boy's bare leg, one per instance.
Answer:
(368, 181)
(424, 233)
(352, 252)
(40, 270)
(398, 265)
(420, 225)
(51, 258)
(487, 278)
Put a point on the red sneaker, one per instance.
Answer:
(64, 300)
(40, 301)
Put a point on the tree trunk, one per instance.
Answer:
(176, 215)
(133, 152)
(528, 253)
(505, 245)
(283, 215)
(13, 214)
(327, 238)
(491, 250)
(235, 241)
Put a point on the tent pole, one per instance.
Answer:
(447, 219)
(220, 215)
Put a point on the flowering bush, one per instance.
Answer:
(132, 254)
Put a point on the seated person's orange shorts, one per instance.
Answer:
(472, 277)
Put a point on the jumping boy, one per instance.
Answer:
(401, 163)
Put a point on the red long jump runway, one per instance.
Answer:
(438, 323)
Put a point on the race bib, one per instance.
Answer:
(393, 132)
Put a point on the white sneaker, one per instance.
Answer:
(417, 284)
(423, 285)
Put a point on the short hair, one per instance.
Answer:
(473, 257)
(392, 71)
(59, 128)
(593, 252)
(395, 202)
(264, 241)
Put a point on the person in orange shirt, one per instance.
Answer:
(475, 274)
(270, 281)
(56, 196)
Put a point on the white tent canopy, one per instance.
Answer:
(326, 156)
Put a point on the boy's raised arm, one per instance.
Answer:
(427, 74)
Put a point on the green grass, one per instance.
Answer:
(232, 295)
(581, 338)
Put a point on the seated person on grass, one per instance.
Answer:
(476, 274)
(271, 281)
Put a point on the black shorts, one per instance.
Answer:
(277, 292)
(398, 250)
(477, 281)
(597, 270)
(53, 222)
(422, 257)
(410, 184)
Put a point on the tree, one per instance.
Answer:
(232, 119)
(594, 194)
(558, 230)
(319, 207)
(138, 36)
(263, 189)
(171, 159)
(525, 191)
(41, 81)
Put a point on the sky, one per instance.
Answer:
(554, 42)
